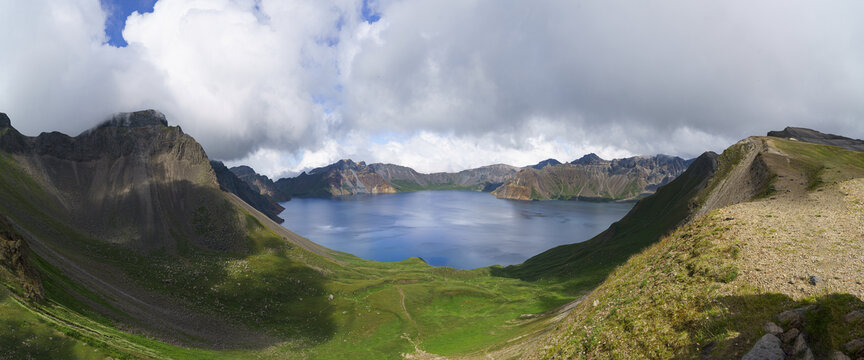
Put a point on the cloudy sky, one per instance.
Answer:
(285, 85)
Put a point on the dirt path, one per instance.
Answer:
(405, 310)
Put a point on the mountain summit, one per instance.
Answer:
(816, 137)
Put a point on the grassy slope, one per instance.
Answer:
(582, 266)
(680, 299)
(278, 288)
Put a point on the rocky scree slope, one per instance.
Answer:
(592, 178)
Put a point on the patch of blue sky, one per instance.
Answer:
(368, 11)
(116, 13)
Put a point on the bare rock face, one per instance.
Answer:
(132, 180)
(142, 118)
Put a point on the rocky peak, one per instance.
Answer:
(4, 121)
(243, 170)
(816, 137)
(590, 159)
(344, 164)
(545, 163)
(144, 118)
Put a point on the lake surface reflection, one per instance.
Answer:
(462, 229)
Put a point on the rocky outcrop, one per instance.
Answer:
(816, 137)
(132, 180)
(592, 178)
(229, 182)
(545, 163)
(136, 119)
(14, 254)
(260, 183)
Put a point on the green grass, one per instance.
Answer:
(272, 287)
(670, 301)
(823, 164)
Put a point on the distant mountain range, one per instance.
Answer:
(587, 178)
(592, 178)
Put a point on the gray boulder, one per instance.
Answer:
(773, 329)
(767, 348)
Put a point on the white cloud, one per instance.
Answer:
(287, 85)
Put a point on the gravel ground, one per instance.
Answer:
(797, 234)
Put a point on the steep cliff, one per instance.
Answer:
(132, 180)
(230, 182)
(260, 183)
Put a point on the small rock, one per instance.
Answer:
(773, 329)
(814, 280)
(854, 317)
(767, 348)
(790, 335)
(595, 303)
(855, 347)
(330, 297)
(729, 218)
(800, 346)
(789, 319)
(839, 356)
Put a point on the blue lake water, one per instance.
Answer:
(462, 229)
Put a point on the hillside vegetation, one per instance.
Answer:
(136, 253)
(121, 243)
(708, 289)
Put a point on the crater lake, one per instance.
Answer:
(461, 229)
